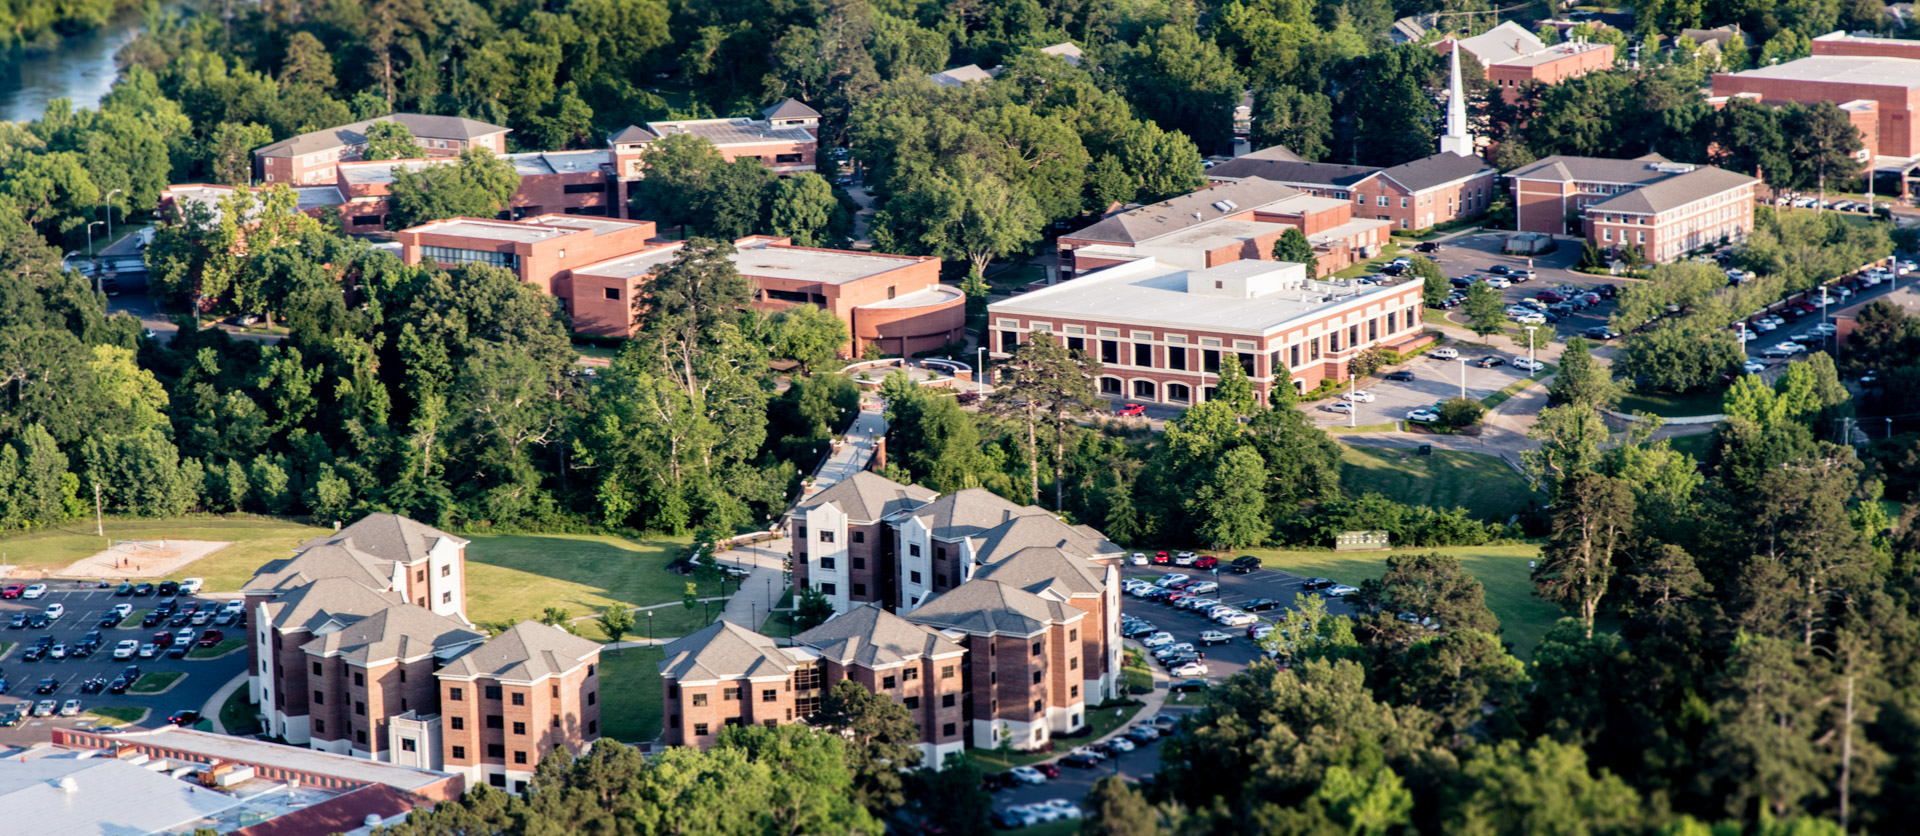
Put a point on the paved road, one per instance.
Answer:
(84, 609)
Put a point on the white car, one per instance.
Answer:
(1530, 318)
(1121, 744)
(191, 586)
(149, 650)
(70, 708)
(125, 649)
(1039, 813)
(1197, 603)
(235, 606)
(58, 650)
(1824, 329)
(1211, 637)
(122, 610)
(1190, 669)
(1185, 559)
(1218, 610)
(1173, 649)
(1066, 809)
(1754, 367)
(1424, 416)
(1173, 578)
(34, 591)
(1764, 325)
(1139, 559)
(1204, 588)
(1341, 407)
(1361, 396)
(1160, 639)
(1496, 283)
(1339, 591)
(1027, 775)
(1444, 354)
(1239, 619)
(1526, 364)
(54, 611)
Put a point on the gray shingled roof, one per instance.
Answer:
(396, 631)
(724, 650)
(526, 652)
(633, 133)
(871, 637)
(1675, 191)
(1038, 569)
(388, 537)
(1428, 172)
(970, 512)
(1506, 41)
(987, 607)
(869, 497)
(1280, 165)
(958, 76)
(421, 125)
(790, 109)
(325, 560)
(1561, 169)
(1042, 530)
(1154, 220)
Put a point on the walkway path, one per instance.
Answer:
(211, 710)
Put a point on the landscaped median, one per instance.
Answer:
(118, 714)
(219, 649)
(155, 682)
(1102, 720)
(1546, 370)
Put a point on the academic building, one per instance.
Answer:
(359, 645)
(990, 621)
(1666, 209)
(1514, 57)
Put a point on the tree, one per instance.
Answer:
(951, 796)
(1663, 581)
(1231, 506)
(1486, 314)
(230, 151)
(1679, 355)
(1434, 286)
(1293, 247)
(389, 139)
(811, 608)
(1462, 412)
(307, 63)
(1592, 519)
(1182, 81)
(1431, 585)
(1115, 808)
(1570, 437)
(680, 170)
(965, 214)
(803, 208)
(477, 185)
(1235, 389)
(1300, 120)
(1393, 116)
(881, 737)
(808, 335)
(616, 621)
(1043, 383)
(1545, 788)
(1465, 678)
(1823, 141)
(1582, 381)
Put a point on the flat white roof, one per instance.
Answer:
(1144, 292)
(723, 132)
(1844, 69)
(534, 163)
(1214, 234)
(213, 747)
(517, 233)
(381, 171)
(632, 266)
(599, 226)
(920, 298)
(1302, 203)
(1346, 230)
(756, 258)
(108, 797)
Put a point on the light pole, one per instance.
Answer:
(1463, 377)
(649, 627)
(1353, 403)
(1823, 304)
(108, 203)
(1889, 429)
(980, 373)
(90, 226)
(1532, 364)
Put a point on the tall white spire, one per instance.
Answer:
(1456, 141)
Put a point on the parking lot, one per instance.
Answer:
(1473, 255)
(1222, 660)
(1433, 380)
(85, 608)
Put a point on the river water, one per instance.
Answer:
(81, 69)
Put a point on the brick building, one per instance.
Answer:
(1232, 221)
(1666, 209)
(310, 158)
(1875, 80)
(1512, 57)
(1162, 332)
(727, 675)
(786, 138)
(596, 266)
(355, 638)
(1411, 196)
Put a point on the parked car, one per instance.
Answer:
(125, 649)
(1160, 639)
(1528, 364)
(1138, 559)
(1316, 584)
(54, 611)
(1204, 588)
(1238, 619)
(1339, 591)
(47, 686)
(1262, 605)
(149, 651)
(70, 708)
(1121, 744)
(191, 586)
(1191, 669)
(1185, 559)
(44, 708)
(142, 590)
(1489, 362)
(35, 591)
(13, 590)
(1081, 760)
(1245, 564)
(1212, 637)
(184, 717)
(1400, 375)
(1358, 396)
(211, 638)
(1600, 333)
(1341, 407)
(1133, 410)
(1172, 578)
(1206, 561)
(1423, 415)
(1137, 630)
(168, 589)
(1444, 354)
(1753, 367)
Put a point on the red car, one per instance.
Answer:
(211, 638)
(1051, 770)
(13, 590)
(1161, 559)
(1549, 296)
(1206, 561)
(1132, 410)
(162, 639)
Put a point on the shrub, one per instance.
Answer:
(1462, 412)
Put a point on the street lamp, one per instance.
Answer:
(108, 203)
(980, 373)
(90, 227)
(1463, 377)
(1532, 364)
(1889, 429)
(1823, 304)
(649, 627)
(1353, 403)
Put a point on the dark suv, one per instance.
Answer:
(1245, 564)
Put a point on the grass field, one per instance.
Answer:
(5, 647)
(1695, 445)
(256, 540)
(224, 647)
(119, 713)
(1502, 570)
(514, 577)
(1387, 253)
(630, 694)
(238, 715)
(1482, 484)
(155, 682)
(1700, 402)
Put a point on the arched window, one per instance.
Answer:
(1179, 393)
(1144, 389)
(1109, 386)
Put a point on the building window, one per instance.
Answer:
(495, 721)
(459, 753)
(1073, 664)
(319, 726)
(886, 683)
(802, 532)
(593, 697)
(859, 537)
(593, 727)
(910, 675)
(913, 549)
(946, 671)
(699, 729)
(699, 699)
(612, 293)
(459, 723)
(420, 576)
(828, 563)
(316, 665)
(519, 756)
(827, 589)
(913, 577)
(946, 701)
(496, 750)
(360, 708)
(1403, 203)
(1036, 677)
(1038, 706)
(1380, 200)
(1073, 635)
(1073, 691)
(826, 536)
(403, 674)
(556, 691)
(446, 571)
(1210, 360)
(860, 590)
(493, 692)
(912, 703)
(730, 694)
(319, 698)
(1144, 389)
(1143, 355)
(940, 580)
(519, 699)
(1177, 358)
(454, 695)
(446, 597)
(1036, 648)
(497, 779)
(1110, 352)
(455, 255)
(519, 727)
(360, 737)
(770, 695)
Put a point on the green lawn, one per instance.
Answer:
(1502, 570)
(1482, 484)
(1139, 677)
(256, 540)
(1100, 721)
(155, 682)
(119, 713)
(630, 694)
(133, 619)
(596, 352)
(1695, 445)
(1387, 254)
(515, 577)
(1019, 275)
(238, 715)
(5, 647)
(224, 647)
(1699, 402)
(1063, 827)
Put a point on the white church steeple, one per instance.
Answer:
(1456, 140)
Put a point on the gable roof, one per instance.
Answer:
(870, 497)
(526, 652)
(1438, 169)
(969, 512)
(389, 537)
(724, 650)
(311, 605)
(421, 125)
(1281, 165)
(1501, 43)
(1042, 530)
(1675, 191)
(1174, 214)
(790, 109)
(1564, 169)
(326, 560)
(957, 76)
(632, 134)
(1043, 569)
(871, 637)
(396, 631)
(1066, 50)
(983, 606)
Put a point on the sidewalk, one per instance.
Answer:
(761, 590)
(211, 710)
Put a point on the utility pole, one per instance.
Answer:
(1463, 377)
(1353, 403)
(1530, 358)
(99, 527)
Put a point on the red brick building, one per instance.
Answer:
(309, 159)
(727, 675)
(786, 138)
(1876, 80)
(1163, 332)
(1664, 208)
(515, 699)
(1512, 57)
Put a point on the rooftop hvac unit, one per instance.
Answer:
(1230, 205)
(1219, 206)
